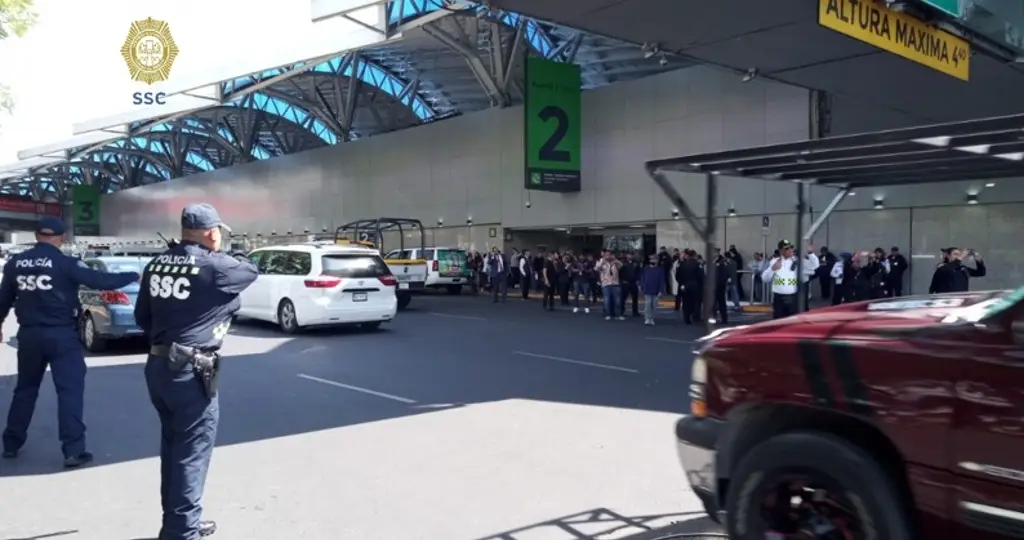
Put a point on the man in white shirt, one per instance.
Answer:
(782, 274)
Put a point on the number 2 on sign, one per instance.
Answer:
(549, 150)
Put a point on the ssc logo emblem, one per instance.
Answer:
(149, 50)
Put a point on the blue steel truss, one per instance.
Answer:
(403, 11)
(364, 70)
(154, 148)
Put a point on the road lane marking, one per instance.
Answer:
(367, 391)
(577, 362)
(465, 317)
(668, 340)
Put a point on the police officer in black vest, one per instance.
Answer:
(42, 285)
(188, 296)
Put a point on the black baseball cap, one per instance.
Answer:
(50, 226)
(201, 216)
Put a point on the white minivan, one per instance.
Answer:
(320, 284)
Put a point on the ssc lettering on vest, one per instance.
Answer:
(34, 283)
(176, 259)
(42, 262)
(168, 287)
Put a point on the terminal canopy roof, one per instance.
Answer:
(453, 58)
(981, 149)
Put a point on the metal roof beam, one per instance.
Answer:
(320, 10)
(469, 55)
(62, 149)
(26, 166)
(331, 38)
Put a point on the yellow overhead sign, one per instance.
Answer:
(898, 33)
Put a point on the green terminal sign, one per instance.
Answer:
(552, 125)
(949, 7)
(85, 210)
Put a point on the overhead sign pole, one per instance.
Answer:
(552, 125)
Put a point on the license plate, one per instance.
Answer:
(359, 297)
(403, 285)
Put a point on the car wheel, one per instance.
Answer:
(371, 326)
(286, 317)
(91, 340)
(815, 481)
(403, 300)
(455, 289)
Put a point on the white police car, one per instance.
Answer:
(320, 284)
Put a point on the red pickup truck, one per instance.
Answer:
(892, 419)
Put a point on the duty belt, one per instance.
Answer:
(159, 350)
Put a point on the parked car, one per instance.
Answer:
(891, 419)
(447, 267)
(320, 284)
(110, 315)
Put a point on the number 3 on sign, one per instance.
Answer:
(85, 211)
(549, 151)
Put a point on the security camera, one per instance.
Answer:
(323, 229)
(289, 233)
(469, 221)
(675, 213)
(440, 222)
(305, 230)
(528, 204)
(259, 235)
(273, 233)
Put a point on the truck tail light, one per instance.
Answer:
(115, 298)
(698, 387)
(322, 282)
(434, 266)
(388, 280)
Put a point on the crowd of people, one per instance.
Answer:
(617, 281)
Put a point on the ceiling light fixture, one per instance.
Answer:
(941, 140)
(976, 149)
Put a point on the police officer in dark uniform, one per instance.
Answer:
(42, 285)
(188, 296)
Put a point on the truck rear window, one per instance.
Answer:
(354, 266)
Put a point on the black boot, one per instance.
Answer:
(77, 461)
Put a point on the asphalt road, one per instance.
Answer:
(462, 420)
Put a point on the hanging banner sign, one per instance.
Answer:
(898, 33)
(85, 210)
(552, 125)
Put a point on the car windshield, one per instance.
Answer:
(354, 266)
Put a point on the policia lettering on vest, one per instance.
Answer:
(189, 294)
(782, 274)
(41, 284)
